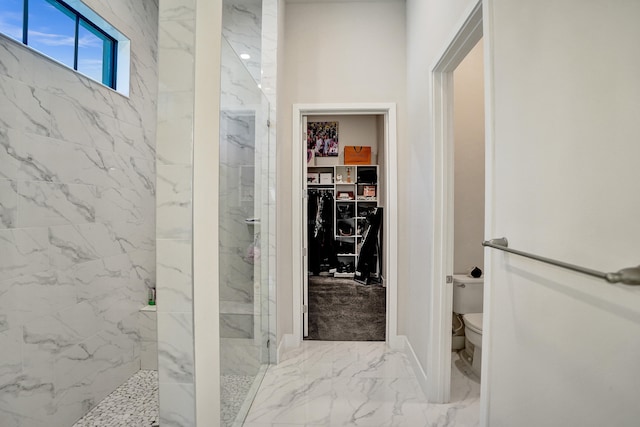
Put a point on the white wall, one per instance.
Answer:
(334, 53)
(433, 21)
(352, 130)
(468, 122)
(563, 346)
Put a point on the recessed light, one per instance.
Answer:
(245, 56)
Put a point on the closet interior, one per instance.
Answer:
(345, 297)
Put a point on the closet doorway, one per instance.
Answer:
(345, 223)
(344, 297)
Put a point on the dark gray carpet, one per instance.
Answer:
(344, 310)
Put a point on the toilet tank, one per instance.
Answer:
(467, 294)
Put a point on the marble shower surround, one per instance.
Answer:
(77, 214)
(176, 43)
(242, 27)
(174, 201)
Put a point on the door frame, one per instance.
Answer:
(467, 34)
(390, 221)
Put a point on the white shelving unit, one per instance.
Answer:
(353, 200)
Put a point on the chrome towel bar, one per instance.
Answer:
(627, 276)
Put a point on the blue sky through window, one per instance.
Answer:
(93, 52)
(52, 30)
(11, 17)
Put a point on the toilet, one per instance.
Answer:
(467, 301)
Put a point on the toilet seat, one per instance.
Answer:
(473, 321)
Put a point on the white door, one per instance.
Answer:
(563, 182)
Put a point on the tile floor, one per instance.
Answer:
(133, 404)
(234, 390)
(325, 383)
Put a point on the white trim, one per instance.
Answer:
(288, 341)
(420, 374)
(485, 386)
(468, 33)
(205, 231)
(390, 219)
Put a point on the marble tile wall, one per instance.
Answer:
(242, 27)
(148, 329)
(77, 224)
(174, 195)
(174, 212)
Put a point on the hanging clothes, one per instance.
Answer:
(370, 252)
(312, 211)
(322, 253)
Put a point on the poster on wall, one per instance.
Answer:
(322, 139)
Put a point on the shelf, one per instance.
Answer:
(355, 209)
(345, 275)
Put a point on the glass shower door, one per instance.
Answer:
(243, 210)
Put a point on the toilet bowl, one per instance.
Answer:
(467, 301)
(473, 333)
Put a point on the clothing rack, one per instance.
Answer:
(627, 276)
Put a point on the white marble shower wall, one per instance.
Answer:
(237, 198)
(242, 27)
(77, 224)
(174, 212)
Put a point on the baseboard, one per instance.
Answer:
(421, 375)
(287, 341)
(397, 342)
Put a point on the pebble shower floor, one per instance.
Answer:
(133, 404)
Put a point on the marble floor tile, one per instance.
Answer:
(324, 383)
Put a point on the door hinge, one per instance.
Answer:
(268, 123)
(268, 343)
(305, 309)
(449, 279)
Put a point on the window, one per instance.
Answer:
(66, 34)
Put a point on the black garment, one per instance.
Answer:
(370, 252)
(312, 212)
(322, 253)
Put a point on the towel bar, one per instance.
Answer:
(627, 276)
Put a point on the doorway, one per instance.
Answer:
(440, 339)
(468, 218)
(344, 297)
(386, 114)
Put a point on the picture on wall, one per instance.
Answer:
(322, 139)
